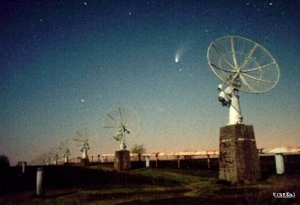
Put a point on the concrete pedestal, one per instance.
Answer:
(122, 160)
(84, 162)
(238, 159)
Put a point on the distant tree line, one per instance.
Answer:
(4, 162)
(138, 149)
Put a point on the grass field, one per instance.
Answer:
(100, 184)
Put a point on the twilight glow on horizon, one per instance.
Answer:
(65, 64)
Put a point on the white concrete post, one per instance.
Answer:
(40, 191)
(279, 162)
(147, 161)
(23, 167)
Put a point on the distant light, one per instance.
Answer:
(176, 60)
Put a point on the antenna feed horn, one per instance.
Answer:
(220, 87)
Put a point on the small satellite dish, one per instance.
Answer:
(123, 124)
(242, 65)
(54, 154)
(51, 156)
(65, 150)
(82, 139)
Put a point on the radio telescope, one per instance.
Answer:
(54, 155)
(123, 124)
(65, 150)
(50, 157)
(82, 140)
(242, 65)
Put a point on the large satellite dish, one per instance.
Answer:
(123, 124)
(242, 65)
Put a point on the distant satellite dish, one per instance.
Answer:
(82, 139)
(52, 156)
(242, 65)
(64, 149)
(123, 124)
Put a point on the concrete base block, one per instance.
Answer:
(84, 162)
(122, 160)
(238, 159)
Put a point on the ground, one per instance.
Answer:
(100, 184)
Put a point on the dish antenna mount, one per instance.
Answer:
(242, 65)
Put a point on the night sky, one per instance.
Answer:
(65, 64)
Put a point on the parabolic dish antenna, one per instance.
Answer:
(123, 124)
(83, 141)
(64, 149)
(244, 66)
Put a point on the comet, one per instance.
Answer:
(178, 54)
(176, 59)
(184, 48)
